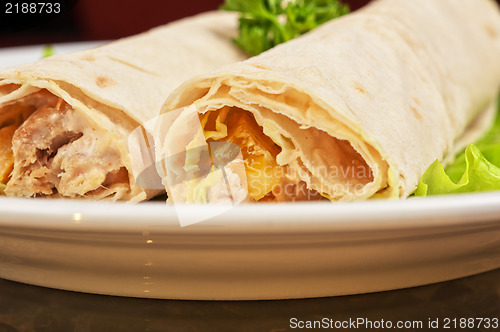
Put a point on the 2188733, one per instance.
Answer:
(471, 323)
(32, 8)
(16, 15)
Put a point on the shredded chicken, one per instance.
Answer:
(12, 115)
(59, 153)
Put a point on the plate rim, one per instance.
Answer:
(478, 209)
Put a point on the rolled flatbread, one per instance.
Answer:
(356, 109)
(65, 120)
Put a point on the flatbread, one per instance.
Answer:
(73, 113)
(359, 107)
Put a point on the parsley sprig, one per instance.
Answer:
(267, 23)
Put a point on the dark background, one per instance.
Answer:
(109, 19)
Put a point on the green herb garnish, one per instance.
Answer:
(267, 23)
(48, 50)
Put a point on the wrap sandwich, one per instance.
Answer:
(65, 120)
(355, 109)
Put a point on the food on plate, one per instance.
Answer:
(65, 120)
(355, 109)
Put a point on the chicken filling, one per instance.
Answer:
(50, 150)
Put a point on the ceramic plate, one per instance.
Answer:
(263, 251)
(260, 251)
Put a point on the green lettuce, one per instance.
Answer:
(477, 169)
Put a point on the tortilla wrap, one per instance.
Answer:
(65, 120)
(356, 109)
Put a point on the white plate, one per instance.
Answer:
(12, 56)
(262, 251)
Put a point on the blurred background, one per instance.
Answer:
(107, 19)
(104, 19)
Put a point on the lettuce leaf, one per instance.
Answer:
(477, 169)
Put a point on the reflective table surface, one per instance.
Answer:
(31, 308)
